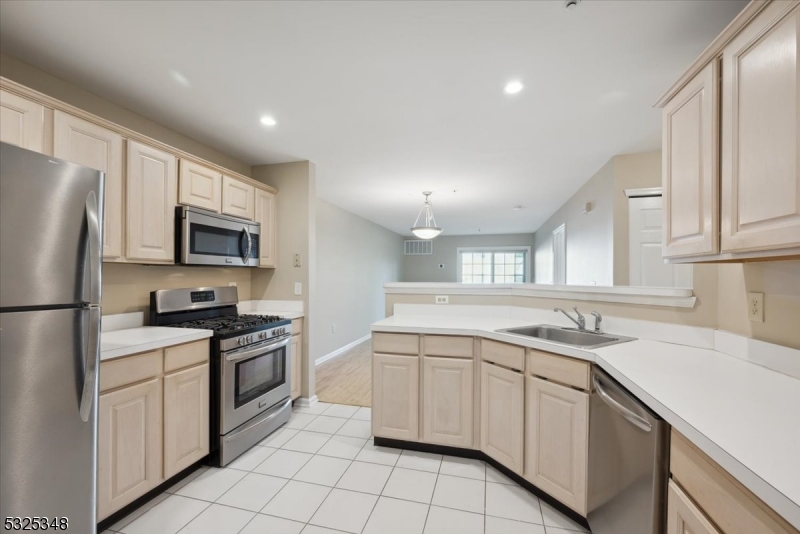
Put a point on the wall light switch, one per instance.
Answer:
(755, 307)
(297, 260)
(442, 299)
(298, 288)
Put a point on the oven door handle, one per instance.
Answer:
(260, 349)
(275, 411)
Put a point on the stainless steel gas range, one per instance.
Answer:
(250, 364)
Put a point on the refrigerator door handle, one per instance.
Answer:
(92, 356)
(95, 247)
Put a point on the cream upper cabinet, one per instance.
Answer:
(266, 215)
(200, 186)
(297, 365)
(690, 174)
(395, 392)
(238, 198)
(557, 441)
(152, 194)
(22, 122)
(88, 144)
(186, 404)
(761, 133)
(129, 445)
(447, 401)
(683, 516)
(502, 399)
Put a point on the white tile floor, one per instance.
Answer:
(321, 474)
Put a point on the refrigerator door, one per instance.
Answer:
(48, 456)
(50, 231)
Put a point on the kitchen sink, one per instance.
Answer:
(567, 336)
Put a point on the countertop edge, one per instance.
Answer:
(181, 336)
(773, 497)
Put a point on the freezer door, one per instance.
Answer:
(50, 231)
(48, 456)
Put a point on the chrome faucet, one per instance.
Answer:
(598, 320)
(580, 321)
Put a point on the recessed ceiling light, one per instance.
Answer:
(513, 87)
(266, 120)
(180, 78)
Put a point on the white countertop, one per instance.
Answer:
(744, 416)
(129, 341)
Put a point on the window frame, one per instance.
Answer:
(509, 248)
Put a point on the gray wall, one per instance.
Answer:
(589, 236)
(354, 258)
(426, 268)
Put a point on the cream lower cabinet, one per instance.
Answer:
(22, 122)
(395, 394)
(447, 401)
(186, 405)
(502, 420)
(152, 194)
(557, 441)
(683, 516)
(129, 445)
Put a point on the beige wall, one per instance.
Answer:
(127, 287)
(426, 268)
(590, 236)
(34, 78)
(296, 220)
(355, 257)
(631, 171)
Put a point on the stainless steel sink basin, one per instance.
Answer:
(567, 336)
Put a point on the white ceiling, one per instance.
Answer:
(390, 98)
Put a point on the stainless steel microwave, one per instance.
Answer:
(205, 237)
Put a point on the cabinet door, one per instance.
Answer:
(238, 198)
(557, 441)
(447, 401)
(683, 517)
(297, 365)
(760, 133)
(200, 186)
(88, 144)
(21, 122)
(395, 396)
(185, 418)
(152, 194)
(266, 214)
(690, 175)
(502, 398)
(129, 445)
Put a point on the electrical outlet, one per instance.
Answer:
(755, 307)
(442, 299)
(297, 260)
(232, 284)
(333, 328)
(298, 288)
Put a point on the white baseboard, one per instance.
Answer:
(340, 351)
(305, 402)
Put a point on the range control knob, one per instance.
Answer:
(249, 339)
(240, 341)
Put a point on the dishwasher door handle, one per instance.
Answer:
(631, 417)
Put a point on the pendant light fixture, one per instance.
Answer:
(429, 230)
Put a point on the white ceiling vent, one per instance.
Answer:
(418, 247)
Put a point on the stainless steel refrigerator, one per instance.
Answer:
(51, 244)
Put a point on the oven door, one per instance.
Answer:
(208, 238)
(253, 379)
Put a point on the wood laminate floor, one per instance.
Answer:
(347, 379)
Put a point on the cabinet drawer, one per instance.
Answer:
(297, 326)
(453, 346)
(130, 369)
(185, 355)
(559, 369)
(731, 506)
(503, 354)
(395, 343)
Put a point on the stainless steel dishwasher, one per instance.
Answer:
(628, 462)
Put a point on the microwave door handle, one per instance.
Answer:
(95, 242)
(249, 245)
(259, 349)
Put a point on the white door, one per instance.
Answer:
(560, 255)
(647, 267)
